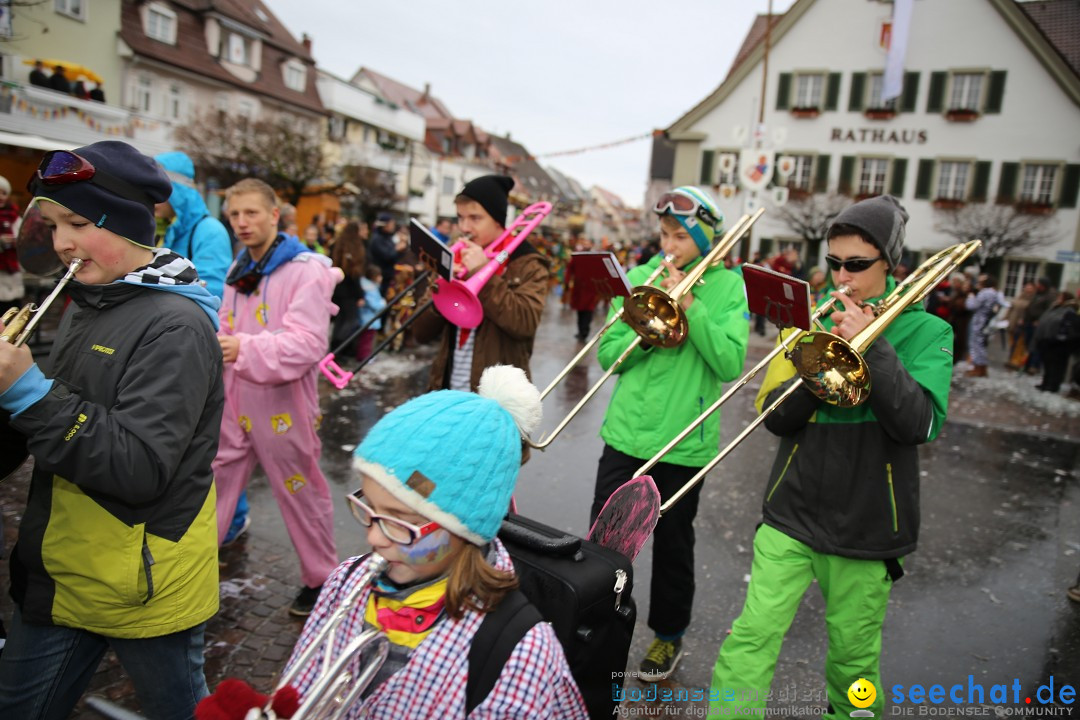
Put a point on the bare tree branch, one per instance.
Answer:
(1003, 230)
(810, 217)
(275, 150)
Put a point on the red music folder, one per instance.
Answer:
(782, 299)
(602, 270)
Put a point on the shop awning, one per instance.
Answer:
(32, 141)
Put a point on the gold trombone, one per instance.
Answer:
(654, 315)
(615, 317)
(829, 366)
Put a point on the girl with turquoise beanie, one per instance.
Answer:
(436, 478)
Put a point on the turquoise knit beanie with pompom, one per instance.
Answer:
(454, 456)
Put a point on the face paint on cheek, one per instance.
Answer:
(428, 549)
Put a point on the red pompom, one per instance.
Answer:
(231, 701)
(286, 702)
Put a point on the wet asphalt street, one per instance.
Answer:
(983, 596)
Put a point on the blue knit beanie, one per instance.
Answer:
(702, 233)
(131, 218)
(454, 456)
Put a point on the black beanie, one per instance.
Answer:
(882, 218)
(132, 217)
(491, 192)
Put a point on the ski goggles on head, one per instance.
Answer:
(684, 205)
(852, 265)
(61, 167)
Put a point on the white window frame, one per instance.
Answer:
(967, 90)
(953, 179)
(76, 9)
(1039, 182)
(448, 185)
(873, 175)
(336, 128)
(727, 178)
(176, 102)
(162, 30)
(294, 74)
(236, 49)
(802, 176)
(142, 93)
(873, 99)
(1019, 273)
(808, 90)
(246, 109)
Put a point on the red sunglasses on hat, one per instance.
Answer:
(61, 167)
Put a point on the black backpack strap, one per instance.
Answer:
(499, 633)
(191, 236)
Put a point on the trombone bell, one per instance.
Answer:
(831, 369)
(656, 317)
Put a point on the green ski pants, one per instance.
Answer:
(856, 593)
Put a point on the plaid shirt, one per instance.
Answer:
(535, 682)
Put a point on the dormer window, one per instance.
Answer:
(237, 49)
(159, 22)
(295, 75)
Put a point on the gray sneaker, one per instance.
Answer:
(660, 660)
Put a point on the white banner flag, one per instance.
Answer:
(893, 82)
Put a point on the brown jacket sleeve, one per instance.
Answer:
(514, 301)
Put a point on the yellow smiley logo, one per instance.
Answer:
(862, 693)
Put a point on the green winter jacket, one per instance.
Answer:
(845, 481)
(660, 391)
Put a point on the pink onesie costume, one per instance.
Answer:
(272, 406)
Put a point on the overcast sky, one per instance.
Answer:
(557, 74)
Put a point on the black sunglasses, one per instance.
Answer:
(246, 280)
(852, 265)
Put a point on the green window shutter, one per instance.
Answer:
(996, 93)
(847, 174)
(910, 92)
(707, 159)
(821, 180)
(980, 185)
(899, 175)
(832, 92)
(935, 99)
(855, 98)
(1070, 187)
(923, 178)
(1007, 182)
(783, 92)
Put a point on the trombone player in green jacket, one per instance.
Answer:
(841, 503)
(659, 392)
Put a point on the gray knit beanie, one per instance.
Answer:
(882, 219)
